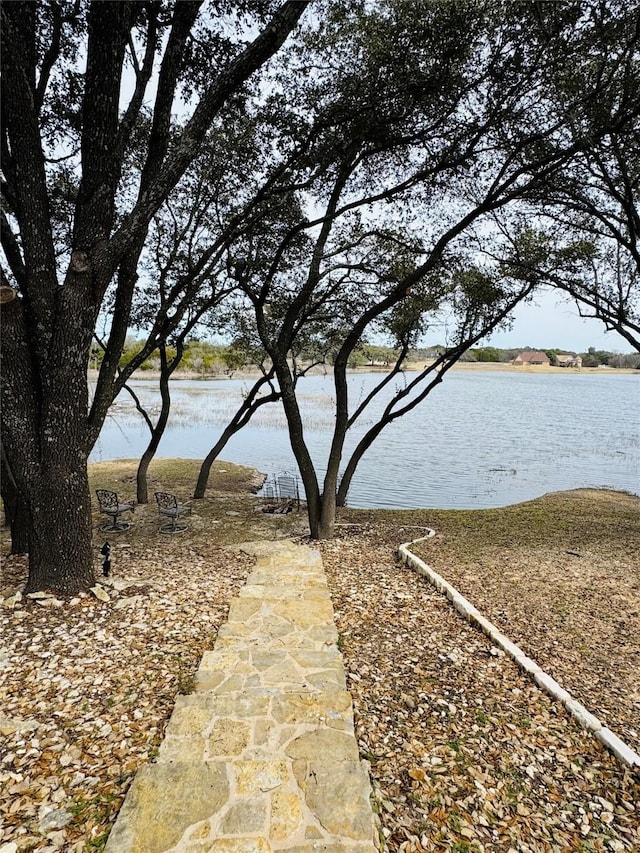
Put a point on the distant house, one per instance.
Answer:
(532, 357)
(569, 361)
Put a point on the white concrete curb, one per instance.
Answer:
(545, 682)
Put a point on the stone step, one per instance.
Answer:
(277, 633)
(299, 613)
(248, 807)
(288, 577)
(318, 638)
(243, 668)
(251, 726)
(284, 591)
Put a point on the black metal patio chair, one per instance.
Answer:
(110, 505)
(168, 507)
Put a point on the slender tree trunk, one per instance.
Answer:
(158, 430)
(326, 527)
(345, 483)
(298, 444)
(309, 480)
(210, 458)
(142, 492)
(314, 504)
(352, 464)
(242, 417)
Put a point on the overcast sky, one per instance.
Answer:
(553, 323)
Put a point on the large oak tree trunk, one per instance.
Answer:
(60, 556)
(57, 508)
(17, 517)
(44, 428)
(20, 529)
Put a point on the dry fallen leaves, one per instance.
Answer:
(466, 753)
(89, 685)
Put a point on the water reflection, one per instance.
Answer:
(480, 440)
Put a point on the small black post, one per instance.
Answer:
(106, 565)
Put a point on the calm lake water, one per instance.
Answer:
(481, 439)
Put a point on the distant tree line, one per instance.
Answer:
(206, 359)
(198, 357)
(590, 358)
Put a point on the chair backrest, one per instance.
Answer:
(166, 501)
(106, 498)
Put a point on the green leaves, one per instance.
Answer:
(477, 288)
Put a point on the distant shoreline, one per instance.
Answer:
(412, 367)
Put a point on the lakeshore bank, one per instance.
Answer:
(411, 367)
(466, 753)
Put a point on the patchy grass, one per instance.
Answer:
(560, 575)
(229, 513)
(175, 475)
(572, 520)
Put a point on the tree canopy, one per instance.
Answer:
(420, 155)
(319, 181)
(91, 148)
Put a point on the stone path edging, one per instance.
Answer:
(585, 718)
(262, 757)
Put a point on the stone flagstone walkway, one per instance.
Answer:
(262, 756)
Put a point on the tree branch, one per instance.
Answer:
(186, 147)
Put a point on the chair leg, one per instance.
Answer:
(173, 526)
(115, 526)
